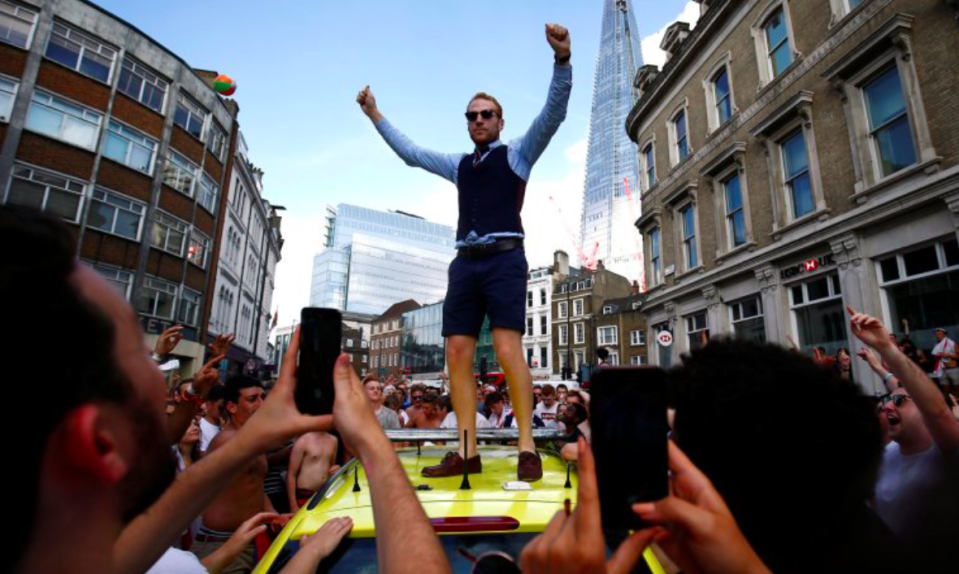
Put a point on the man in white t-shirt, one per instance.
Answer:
(916, 490)
(947, 360)
(546, 409)
(496, 405)
(212, 417)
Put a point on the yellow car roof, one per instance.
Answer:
(487, 497)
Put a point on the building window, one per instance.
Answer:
(648, 159)
(122, 280)
(157, 298)
(607, 335)
(62, 120)
(637, 338)
(563, 335)
(142, 85)
(697, 330)
(543, 358)
(189, 310)
(679, 137)
(529, 298)
(129, 147)
(529, 326)
(579, 334)
(747, 319)
(189, 116)
(655, 259)
(81, 52)
(889, 121)
(778, 51)
(688, 216)
(16, 24)
(543, 329)
(114, 213)
(46, 191)
(8, 93)
(207, 193)
(562, 310)
(542, 296)
(819, 314)
(796, 173)
(179, 173)
(216, 140)
(637, 360)
(719, 95)
(199, 251)
(735, 215)
(607, 309)
(919, 287)
(577, 307)
(169, 234)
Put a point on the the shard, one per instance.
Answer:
(611, 193)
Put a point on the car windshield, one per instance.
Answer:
(358, 555)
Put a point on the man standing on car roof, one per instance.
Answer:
(488, 277)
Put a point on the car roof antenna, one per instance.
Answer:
(465, 485)
(356, 479)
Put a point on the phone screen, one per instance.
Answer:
(629, 434)
(320, 336)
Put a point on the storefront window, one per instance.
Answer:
(919, 291)
(819, 315)
(747, 320)
(697, 331)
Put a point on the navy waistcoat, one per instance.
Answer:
(490, 195)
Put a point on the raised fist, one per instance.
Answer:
(367, 101)
(558, 38)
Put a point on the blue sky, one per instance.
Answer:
(299, 65)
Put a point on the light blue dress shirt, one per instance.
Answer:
(522, 152)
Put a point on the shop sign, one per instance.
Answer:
(807, 267)
(664, 338)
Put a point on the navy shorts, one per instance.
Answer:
(494, 286)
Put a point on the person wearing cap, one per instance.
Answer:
(947, 360)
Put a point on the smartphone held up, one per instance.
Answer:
(320, 343)
(629, 440)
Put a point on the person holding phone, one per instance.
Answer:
(488, 276)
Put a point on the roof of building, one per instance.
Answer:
(624, 304)
(397, 309)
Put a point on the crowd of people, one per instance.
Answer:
(777, 463)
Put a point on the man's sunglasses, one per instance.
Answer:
(897, 400)
(485, 114)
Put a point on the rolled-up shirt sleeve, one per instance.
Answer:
(444, 165)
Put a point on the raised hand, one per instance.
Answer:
(558, 38)
(207, 376)
(222, 344)
(367, 102)
(168, 340)
(868, 329)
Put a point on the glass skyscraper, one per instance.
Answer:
(611, 194)
(376, 258)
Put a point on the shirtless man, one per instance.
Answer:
(417, 392)
(312, 462)
(245, 496)
(430, 415)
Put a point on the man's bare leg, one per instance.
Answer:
(509, 352)
(460, 351)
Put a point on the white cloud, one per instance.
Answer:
(652, 54)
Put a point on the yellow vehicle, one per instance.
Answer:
(472, 522)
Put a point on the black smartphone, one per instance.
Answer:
(320, 342)
(629, 434)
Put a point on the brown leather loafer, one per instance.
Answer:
(452, 465)
(530, 468)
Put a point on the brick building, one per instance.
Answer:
(386, 337)
(797, 157)
(621, 330)
(538, 337)
(577, 303)
(104, 127)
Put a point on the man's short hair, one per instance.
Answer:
(493, 398)
(562, 386)
(489, 98)
(443, 402)
(548, 390)
(788, 470)
(236, 384)
(418, 387)
(603, 354)
(369, 380)
(38, 296)
(216, 393)
(429, 398)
